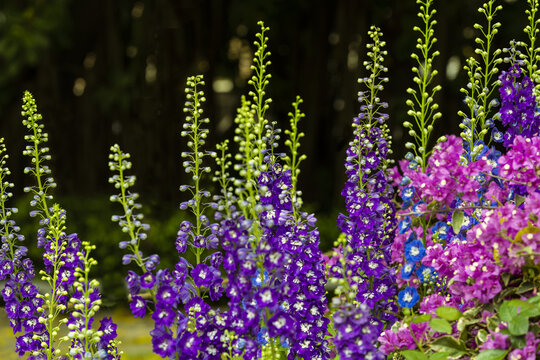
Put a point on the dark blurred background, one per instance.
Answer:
(113, 71)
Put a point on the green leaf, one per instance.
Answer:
(519, 199)
(524, 287)
(448, 312)
(450, 345)
(457, 221)
(440, 325)
(481, 336)
(413, 355)
(526, 230)
(518, 342)
(534, 300)
(519, 325)
(506, 311)
(512, 308)
(506, 278)
(421, 318)
(439, 356)
(492, 354)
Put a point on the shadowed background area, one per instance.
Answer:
(114, 71)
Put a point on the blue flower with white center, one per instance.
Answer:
(414, 251)
(407, 270)
(408, 297)
(407, 194)
(441, 229)
(259, 279)
(404, 225)
(497, 135)
(426, 273)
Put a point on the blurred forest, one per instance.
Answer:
(113, 71)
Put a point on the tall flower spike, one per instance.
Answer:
(16, 270)
(260, 103)
(52, 237)
(371, 115)
(254, 134)
(62, 255)
(194, 160)
(483, 81)
(365, 276)
(423, 108)
(131, 223)
(38, 153)
(8, 229)
(532, 51)
(294, 158)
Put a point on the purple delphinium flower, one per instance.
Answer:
(281, 282)
(79, 322)
(369, 222)
(369, 227)
(17, 273)
(356, 332)
(295, 269)
(518, 105)
(108, 328)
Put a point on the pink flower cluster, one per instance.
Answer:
(402, 339)
(501, 236)
(522, 162)
(446, 177)
(469, 267)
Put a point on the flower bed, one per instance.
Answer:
(438, 257)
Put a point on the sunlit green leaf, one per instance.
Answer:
(449, 313)
(440, 325)
(413, 355)
(492, 354)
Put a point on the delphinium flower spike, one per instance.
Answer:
(51, 236)
(518, 106)
(150, 290)
(195, 285)
(293, 159)
(131, 223)
(62, 253)
(423, 108)
(254, 133)
(86, 301)
(18, 291)
(193, 163)
(271, 256)
(532, 50)
(478, 119)
(367, 287)
(260, 102)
